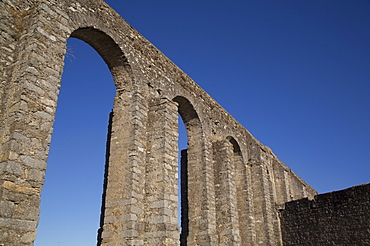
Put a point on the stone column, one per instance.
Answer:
(161, 186)
(276, 236)
(227, 216)
(296, 187)
(265, 210)
(281, 184)
(244, 196)
(29, 94)
(124, 195)
(201, 193)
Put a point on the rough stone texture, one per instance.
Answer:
(234, 183)
(335, 218)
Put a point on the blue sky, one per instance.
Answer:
(296, 74)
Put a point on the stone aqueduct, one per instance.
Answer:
(234, 183)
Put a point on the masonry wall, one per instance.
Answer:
(335, 218)
(234, 183)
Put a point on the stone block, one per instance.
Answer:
(36, 175)
(33, 162)
(17, 224)
(11, 167)
(6, 209)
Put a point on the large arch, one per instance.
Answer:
(121, 72)
(111, 53)
(40, 86)
(72, 194)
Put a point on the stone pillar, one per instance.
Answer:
(161, 186)
(124, 195)
(244, 196)
(227, 216)
(201, 193)
(281, 184)
(296, 187)
(263, 212)
(276, 236)
(29, 89)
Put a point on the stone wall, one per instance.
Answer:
(335, 218)
(234, 183)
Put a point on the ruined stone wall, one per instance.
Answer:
(335, 218)
(234, 182)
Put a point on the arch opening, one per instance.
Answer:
(187, 112)
(76, 177)
(110, 52)
(188, 159)
(236, 147)
(183, 204)
(243, 194)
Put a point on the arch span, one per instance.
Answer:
(187, 111)
(79, 144)
(198, 174)
(243, 199)
(111, 53)
(236, 147)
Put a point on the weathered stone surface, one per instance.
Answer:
(17, 224)
(233, 182)
(335, 218)
(11, 167)
(6, 209)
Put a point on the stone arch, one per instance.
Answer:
(199, 223)
(243, 193)
(84, 91)
(33, 91)
(111, 53)
(128, 115)
(191, 121)
(225, 153)
(187, 112)
(121, 72)
(236, 147)
(40, 86)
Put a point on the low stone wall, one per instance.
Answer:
(335, 218)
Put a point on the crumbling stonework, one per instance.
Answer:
(335, 218)
(234, 183)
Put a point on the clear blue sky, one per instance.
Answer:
(296, 74)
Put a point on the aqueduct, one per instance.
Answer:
(234, 184)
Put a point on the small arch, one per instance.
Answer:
(191, 164)
(243, 193)
(186, 110)
(236, 147)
